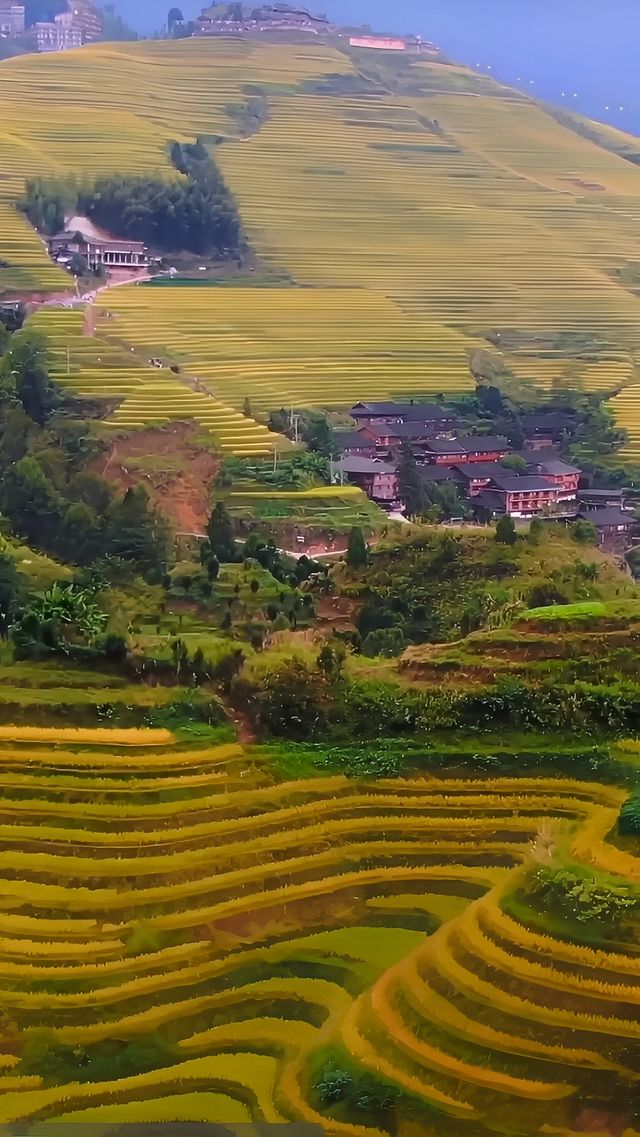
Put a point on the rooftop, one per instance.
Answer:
(604, 517)
(476, 443)
(604, 495)
(551, 466)
(351, 440)
(472, 470)
(521, 484)
(415, 412)
(445, 446)
(357, 465)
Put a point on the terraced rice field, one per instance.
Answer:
(180, 894)
(289, 347)
(410, 223)
(90, 365)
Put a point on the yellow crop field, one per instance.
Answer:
(401, 225)
(289, 347)
(249, 922)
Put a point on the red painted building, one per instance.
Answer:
(562, 475)
(473, 448)
(524, 496)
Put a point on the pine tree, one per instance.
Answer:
(357, 552)
(136, 532)
(410, 485)
(220, 534)
(506, 531)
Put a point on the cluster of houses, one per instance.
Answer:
(77, 24)
(534, 482)
(237, 19)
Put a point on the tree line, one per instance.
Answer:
(192, 213)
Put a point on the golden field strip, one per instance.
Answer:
(250, 922)
(408, 225)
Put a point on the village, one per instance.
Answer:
(492, 478)
(80, 22)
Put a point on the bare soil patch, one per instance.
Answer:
(178, 473)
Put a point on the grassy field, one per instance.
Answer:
(410, 213)
(184, 937)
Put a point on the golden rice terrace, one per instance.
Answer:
(400, 219)
(197, 939)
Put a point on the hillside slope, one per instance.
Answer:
(450, 208)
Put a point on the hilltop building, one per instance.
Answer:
(12, 20)
(235, 19)
(79, 24)
(413, 45)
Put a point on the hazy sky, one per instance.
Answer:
(589, 47)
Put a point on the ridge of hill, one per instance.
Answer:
(449, 206)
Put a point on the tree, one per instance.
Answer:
(114, 28)
(330, 660)
(135, 532)
(319, 435)
(10, 587)
(91, 489)
(506, 531)
(220, 534)
(536, 531)
(292, 700)
(410, 485)
(514, 462)
(357, 551)
(246, 407)
(82, 534)
(584, 532)
(385, 641)
(31, 503)
(26, 363)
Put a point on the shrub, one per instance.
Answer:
(586, 896)
(293, 700)
(629, 819)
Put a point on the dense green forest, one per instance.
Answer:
(194, 212)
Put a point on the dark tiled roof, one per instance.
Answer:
(413, 412)
(407, 430)
(477, 443)
(600, 495)
(471, 470)
(433, 473)
(357, 465)
(490, 500)
(525, 484)
(552, 466)
(553, 420)
(352, 440)
(610, 516)
(445, 446)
